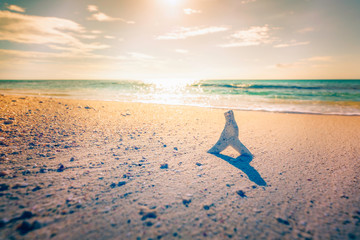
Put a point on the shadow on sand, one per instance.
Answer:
(243, 163)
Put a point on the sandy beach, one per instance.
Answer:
(76, 169)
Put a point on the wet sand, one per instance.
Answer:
(73, 169)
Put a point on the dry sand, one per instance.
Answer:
(73, 169)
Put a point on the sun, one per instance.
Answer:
(172, 2)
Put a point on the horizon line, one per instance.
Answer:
(209, 79)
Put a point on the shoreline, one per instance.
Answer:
(79, 169)
(63, 96)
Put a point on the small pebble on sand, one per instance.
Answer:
(283, 221)
(61, 168)
(164, 166)
(121, 183)
(241, 193)
(147, 213)
(3, 187)
(186, 201)
(4, 173)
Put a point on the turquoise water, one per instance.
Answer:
(298, 96)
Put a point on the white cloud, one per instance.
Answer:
(253, 36)
(16, 8)
(96, 31)
(305, 62)
(320, 59)
(11, 54)
(189, 11)
(140, 56)
(286, 65)
(292, 43)
(184, 32)
(102, 17)
(182, 51)
(56, 33)
(109, 37)
(92, 8)
(305, 30)
(247, 1)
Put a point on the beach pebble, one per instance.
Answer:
(3, 187)
(36, 188)
(149, 224)
(283, 221)
(20, 185)
(147, 213)
(61, 168)
(26, 215)
(3, 222)
(164, 166)
(121, 183)
(4, 173)
(26, 227)
(7, 122)
(241, 193)
(198, 164)
(186, 201)
(26, 172)
(72, 159)
(113, 185)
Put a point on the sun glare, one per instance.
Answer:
(172, 2)
(170, 84)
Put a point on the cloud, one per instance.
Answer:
(19, 54)
(320, 59)
(305, 30)
(56, 33)
(286, 65)
(102, 17)
(16, 8)
(292, 43)
(305, 62)
(185, 32)
(96, 31)
(182, 51)
(92, 8)
(247, 1)
(140, 56)
(189, 11)
(36, 55)
(253, 36)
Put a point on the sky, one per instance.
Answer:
(179, 40)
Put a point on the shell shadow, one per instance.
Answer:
(243, 163)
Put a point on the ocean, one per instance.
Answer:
(336, 97)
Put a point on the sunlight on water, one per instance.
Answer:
(298, 96)
(170, 85)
